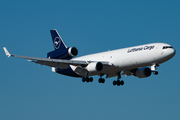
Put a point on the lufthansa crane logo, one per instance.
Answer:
(57, 42)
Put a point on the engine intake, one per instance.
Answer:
(95, 66)
(143, 72)
(72, 51)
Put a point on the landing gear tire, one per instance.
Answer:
(83, 79)
(155, 72)
(122, 82)
(90, 79)
(118, 82)
(114, 82)
(87, 79)
(101, 80)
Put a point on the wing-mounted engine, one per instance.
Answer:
(94, 66)
(143, 72)
(67, 53)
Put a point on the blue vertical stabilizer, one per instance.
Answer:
(61, 51)
(57, 41)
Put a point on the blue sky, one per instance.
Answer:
(29, 91)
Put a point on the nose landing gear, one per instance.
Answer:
(155, 72)
(154, 69)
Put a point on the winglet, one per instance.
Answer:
(6, 52)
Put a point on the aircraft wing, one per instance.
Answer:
(59, 63)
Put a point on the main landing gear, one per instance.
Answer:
(118, 82)
(102, 80)
(87, 79)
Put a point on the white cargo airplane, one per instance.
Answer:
(127, 61)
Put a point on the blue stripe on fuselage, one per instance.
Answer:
(68, 72)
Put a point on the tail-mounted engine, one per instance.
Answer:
(72, 52)
(68, 53)
(94, 66)
(143, 72)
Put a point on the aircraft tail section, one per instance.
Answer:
(57, 41)
(61, 51)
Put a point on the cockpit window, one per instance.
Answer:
(166, 47)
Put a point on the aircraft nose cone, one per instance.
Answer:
(172, 52)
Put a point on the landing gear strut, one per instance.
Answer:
(101, 80)
(87, 79)
(118, 82)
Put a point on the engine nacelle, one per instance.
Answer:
(143, 72)
(95, 66)
(72, 51)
